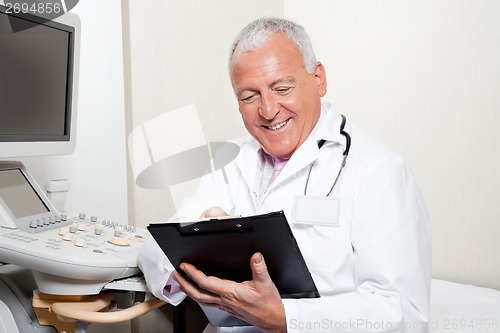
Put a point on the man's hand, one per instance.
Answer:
(214, 211)
(257, 301)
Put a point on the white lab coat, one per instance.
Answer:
(372, 265)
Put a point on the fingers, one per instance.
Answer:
(214, 286)
(201, 288)
(243, 300)
(192, 290)
(210, 283)
(213, 212)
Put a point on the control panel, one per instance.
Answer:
(68, 255)
(78, 258)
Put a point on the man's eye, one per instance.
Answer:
(283, 90)
(249, 98)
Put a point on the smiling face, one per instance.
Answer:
(279, 101)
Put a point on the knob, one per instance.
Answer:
(98, 229)
(68, 236)
(119, 241)
(93, 219)
(80, 242)
(81, 216)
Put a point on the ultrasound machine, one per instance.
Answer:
(58, 272)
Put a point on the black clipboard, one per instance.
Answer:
(223, 247)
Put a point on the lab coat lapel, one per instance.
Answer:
(247, 161)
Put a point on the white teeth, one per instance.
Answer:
(277, 126)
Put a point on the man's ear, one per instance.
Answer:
(320, 75)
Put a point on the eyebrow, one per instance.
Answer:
(286, 79)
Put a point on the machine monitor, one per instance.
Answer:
(38, 84)
(23, 205)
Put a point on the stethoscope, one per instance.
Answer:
(344, 157)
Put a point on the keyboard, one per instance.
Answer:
(132, 283)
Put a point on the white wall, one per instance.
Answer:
(97, 168)
(424, 77)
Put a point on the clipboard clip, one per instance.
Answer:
(214, 226)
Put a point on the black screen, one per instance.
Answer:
(35, 80)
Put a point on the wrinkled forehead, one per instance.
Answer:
(277, 49)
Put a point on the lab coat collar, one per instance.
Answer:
(328, 126)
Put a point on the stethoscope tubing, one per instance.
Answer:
(344, 157)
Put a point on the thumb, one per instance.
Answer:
(259, 268)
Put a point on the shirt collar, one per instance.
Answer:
(265, 157)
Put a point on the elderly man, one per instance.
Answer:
(367, 245)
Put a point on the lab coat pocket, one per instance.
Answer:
(320, 232)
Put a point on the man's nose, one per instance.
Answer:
(269, 107)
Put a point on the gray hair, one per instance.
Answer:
(255, 34)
